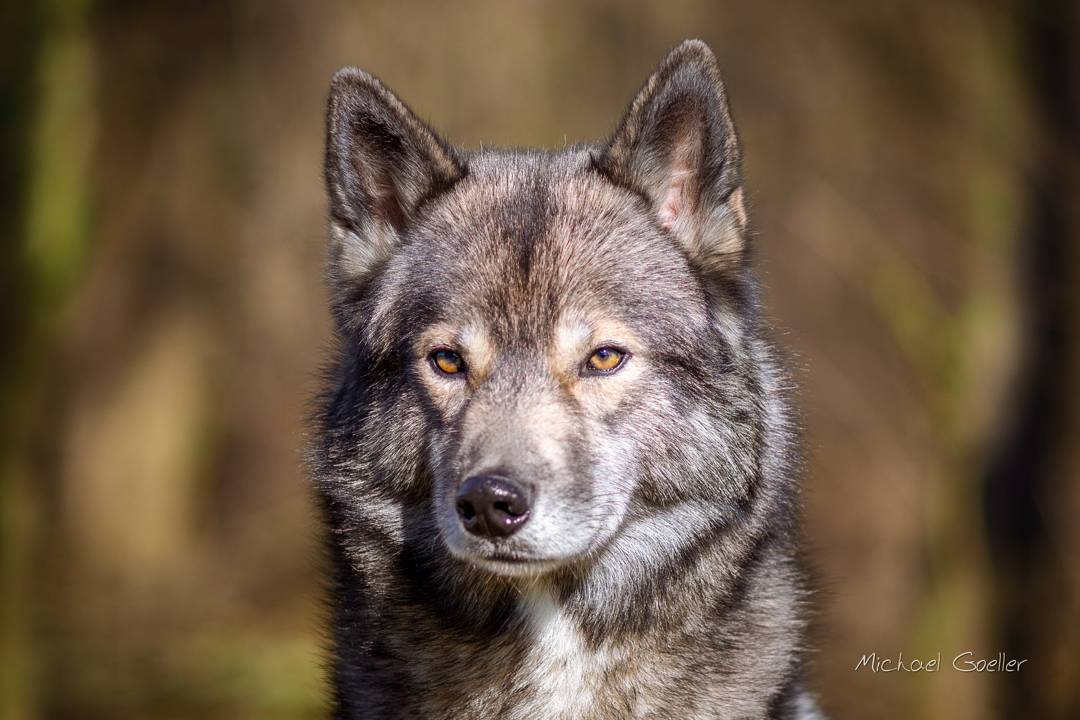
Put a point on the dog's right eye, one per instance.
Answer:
(605, 361)
(447, 362)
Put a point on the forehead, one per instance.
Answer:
(528, 240)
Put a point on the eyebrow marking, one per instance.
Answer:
(577, 334)
(477, 348)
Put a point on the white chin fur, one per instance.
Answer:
(520, 568)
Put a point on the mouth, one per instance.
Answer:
(515, 565)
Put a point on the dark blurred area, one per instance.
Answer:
(913, 176)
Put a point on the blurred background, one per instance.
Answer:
(913, 175)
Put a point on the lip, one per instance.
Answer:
(515, 565)
(510, 558)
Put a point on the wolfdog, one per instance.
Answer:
(554, 455)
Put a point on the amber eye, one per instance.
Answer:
(447, 362)
(606, 360)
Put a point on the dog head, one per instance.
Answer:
(540, 346)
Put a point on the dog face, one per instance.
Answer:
(534, 340)
(542, 319)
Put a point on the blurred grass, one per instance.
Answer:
(228, 673)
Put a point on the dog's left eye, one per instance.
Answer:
(447, 362)
(606, 360)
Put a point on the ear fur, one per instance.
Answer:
(382, 162)
(677, 146)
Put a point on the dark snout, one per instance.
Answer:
(492, 506)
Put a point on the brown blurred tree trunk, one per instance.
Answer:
(1029, 482)
(45, 145)
(20, 24)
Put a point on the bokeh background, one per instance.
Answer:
(913, 177)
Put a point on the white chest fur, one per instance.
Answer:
(560, 666)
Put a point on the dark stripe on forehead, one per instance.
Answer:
(528, 222)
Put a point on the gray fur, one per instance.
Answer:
(656, 578)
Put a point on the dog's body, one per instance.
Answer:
(554, 456)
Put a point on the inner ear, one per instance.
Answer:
(679, 177)
(382, 162)
(677, 146)
(387, 201)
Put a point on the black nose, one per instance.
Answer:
(492, 506)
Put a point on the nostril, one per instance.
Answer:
(510, 508)
(466, 510)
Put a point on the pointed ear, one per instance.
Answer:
(677, 146)
(381, 163)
